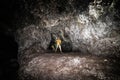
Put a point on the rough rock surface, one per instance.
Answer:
(92, 30)
(84, 26)
(88, 27)
(69, 67)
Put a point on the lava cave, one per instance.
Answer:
(89, 31)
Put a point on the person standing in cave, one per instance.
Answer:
(58, 44)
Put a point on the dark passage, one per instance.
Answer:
(8, 58)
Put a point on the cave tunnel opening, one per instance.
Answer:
(8, 57)
(66, 46)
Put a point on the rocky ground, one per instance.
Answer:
(69, 66)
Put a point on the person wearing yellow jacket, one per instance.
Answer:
(58, 44)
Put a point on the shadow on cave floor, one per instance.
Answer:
(8, 58)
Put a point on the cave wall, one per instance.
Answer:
(84, 26)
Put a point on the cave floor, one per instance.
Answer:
(71, 66)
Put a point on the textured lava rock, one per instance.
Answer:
(88, 27)
(85, 26)
(69, 67)
(91, 30)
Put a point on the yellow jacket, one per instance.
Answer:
(58, 41)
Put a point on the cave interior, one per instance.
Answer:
(89, 30)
